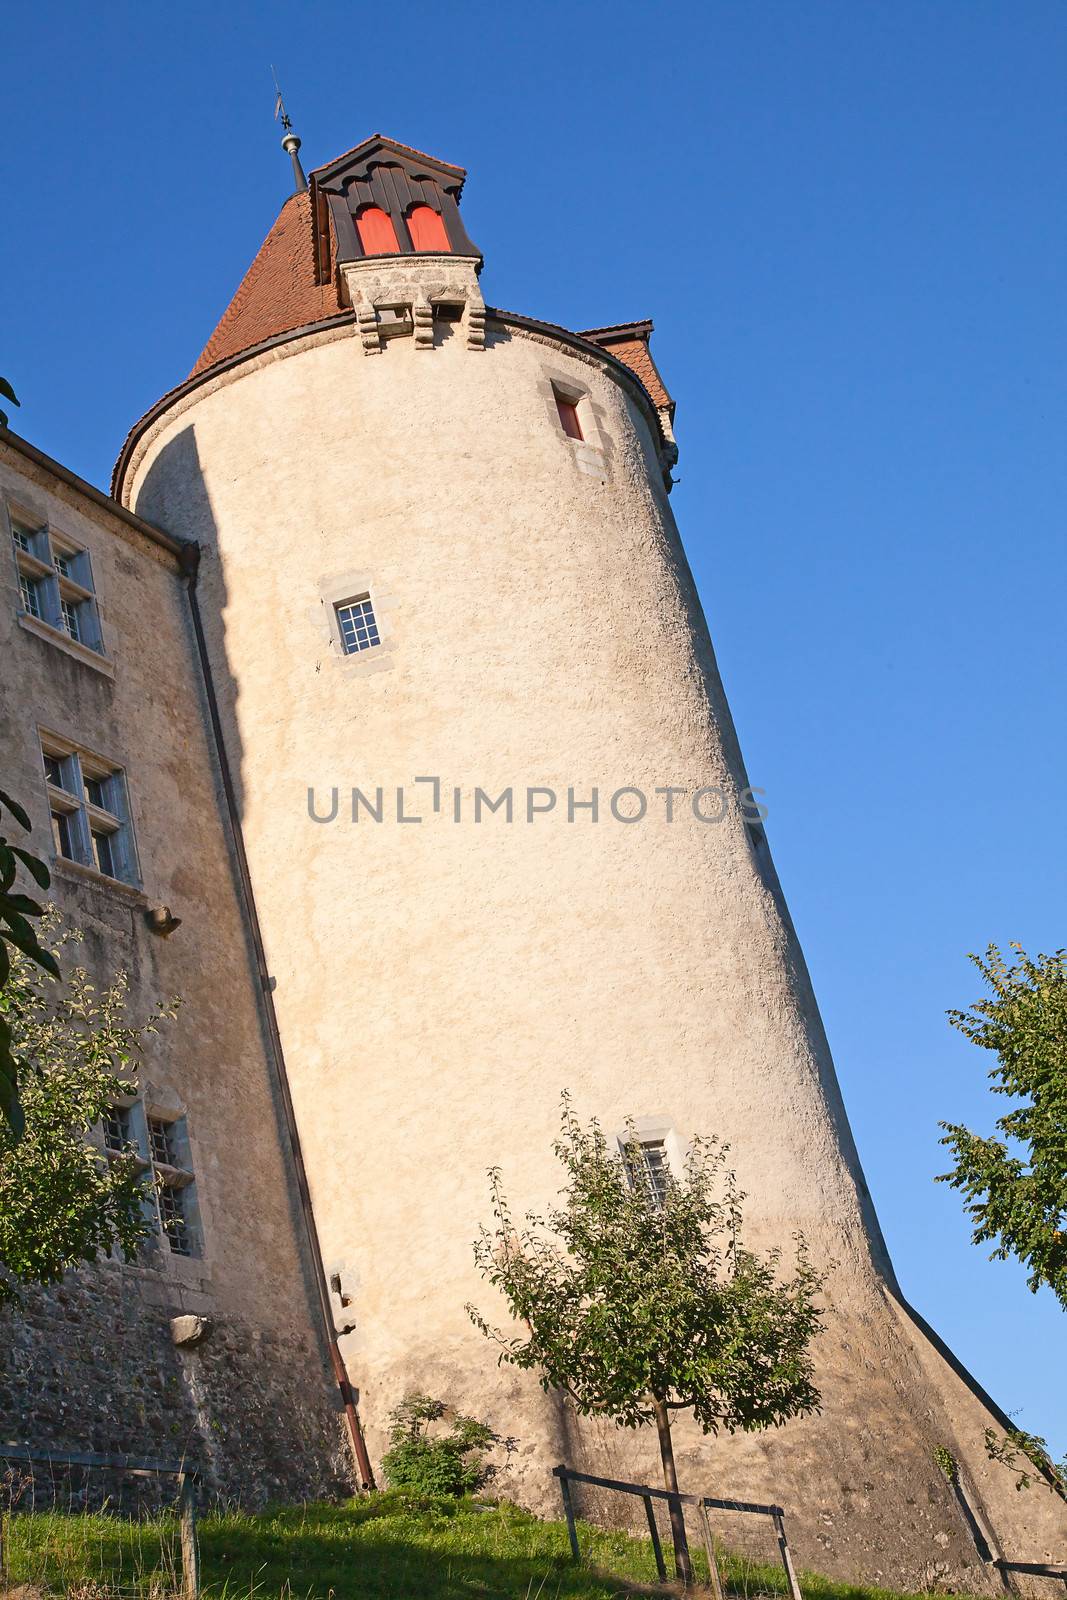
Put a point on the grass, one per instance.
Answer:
(384, 1545)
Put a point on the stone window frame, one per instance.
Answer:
(593, 452)
(80, 819)
(339, 590)
(654, 1131)
(142, 1113)
(66, 608)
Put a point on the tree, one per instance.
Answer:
(1015, 1185)
(640, 1300)
(61, 1201)
(17, 931)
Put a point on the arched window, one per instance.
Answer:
(376, 232)
(427, 229)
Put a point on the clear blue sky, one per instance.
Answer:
(847, 221)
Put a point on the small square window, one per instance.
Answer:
(22, 536)
(357, 624)
(568, 415)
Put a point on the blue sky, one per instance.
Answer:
(847, 222)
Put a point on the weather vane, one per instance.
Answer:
(290, 141)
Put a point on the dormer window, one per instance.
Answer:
(376, 232)
(385, 199)
(427, 229)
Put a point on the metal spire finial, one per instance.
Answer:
(290, 141)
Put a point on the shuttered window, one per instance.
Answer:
(427, 229)
(376, 232)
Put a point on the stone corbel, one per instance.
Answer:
(422, 318)
(367, 325)
(474, 318)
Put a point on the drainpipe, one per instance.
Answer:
(190, 565)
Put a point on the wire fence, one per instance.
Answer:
(95, 1526)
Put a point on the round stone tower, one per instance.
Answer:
(501, 843)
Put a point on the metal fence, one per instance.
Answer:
(704, 1505)
(103, 1523)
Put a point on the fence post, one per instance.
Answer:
(568, 1509)
(657, 1548)
(190, 1545)
(778, 1517)
(709, 1547)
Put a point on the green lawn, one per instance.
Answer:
(384, 1545)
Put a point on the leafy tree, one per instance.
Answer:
(424, 1462)
(1015, 1185)
(61, 1201)
(639, 1301)
(16, 930)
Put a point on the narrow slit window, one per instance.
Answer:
(358, 625)
(568, 416)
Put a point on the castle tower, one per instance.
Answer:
(439, 558)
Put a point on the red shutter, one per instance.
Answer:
(568, 416)
(376, 232)
(427, 229)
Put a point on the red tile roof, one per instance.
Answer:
(278, 292)
(629, 342)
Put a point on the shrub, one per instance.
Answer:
(451, 1463)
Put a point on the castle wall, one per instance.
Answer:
(439, 983)
(92, 1365)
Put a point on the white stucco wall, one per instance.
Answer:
(439, 984)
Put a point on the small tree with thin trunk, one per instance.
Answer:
(639, 1298)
